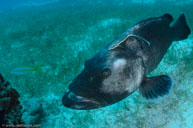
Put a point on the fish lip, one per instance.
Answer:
(74, 101)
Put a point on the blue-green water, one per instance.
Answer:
(63, 34)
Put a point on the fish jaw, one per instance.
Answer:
(73, 101)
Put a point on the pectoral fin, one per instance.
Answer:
(154, 87)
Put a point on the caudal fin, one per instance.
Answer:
(38, 68)
(180, 29)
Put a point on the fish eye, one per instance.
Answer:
(106, 72)
(91, 78)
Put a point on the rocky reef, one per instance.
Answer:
(10, 108)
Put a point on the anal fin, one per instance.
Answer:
(154, 87)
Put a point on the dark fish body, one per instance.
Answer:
(121, 67)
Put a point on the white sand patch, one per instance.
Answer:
(35, 3)
(108, 22)
(185, 45)
(17, 45)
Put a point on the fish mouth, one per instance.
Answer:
(73, 101)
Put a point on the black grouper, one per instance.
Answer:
(122, 66)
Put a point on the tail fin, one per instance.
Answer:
(180, 29)
(38, 68)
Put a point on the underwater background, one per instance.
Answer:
(62, 34)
